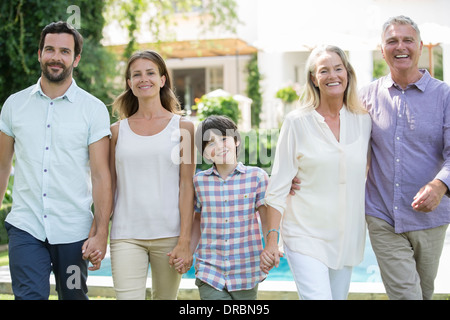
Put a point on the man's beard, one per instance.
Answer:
(52, 77)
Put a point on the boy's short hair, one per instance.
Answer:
(220, 125)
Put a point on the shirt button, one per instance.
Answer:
(399, 115)
(44, 194)
(398, 160)
(398, 138)
(46, 148)
(45, 170)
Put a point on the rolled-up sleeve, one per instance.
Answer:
(444, 173)
(100, 125)
(5, 118)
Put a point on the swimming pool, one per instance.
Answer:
(366, 271)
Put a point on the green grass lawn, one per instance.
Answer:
(52, 297)
(4, 260)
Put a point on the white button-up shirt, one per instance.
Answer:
(325, 218)
(52, 192)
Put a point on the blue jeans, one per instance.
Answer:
(31, 261)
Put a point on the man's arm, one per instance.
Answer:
(102, 196)
(6, 156)
(430, 195)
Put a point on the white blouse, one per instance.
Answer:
(325, 218)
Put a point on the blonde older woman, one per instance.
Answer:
(324, 143)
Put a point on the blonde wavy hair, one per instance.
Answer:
(310, 98)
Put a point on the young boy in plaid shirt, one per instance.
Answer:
(228, 198)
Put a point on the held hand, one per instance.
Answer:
(94, 250)
(96, 259)
(181, 258)
(429, 196)
(269, 259)
(270, 256)
(294, 186)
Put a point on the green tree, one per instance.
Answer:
(21, 24)
(213, 14)
(254, 90)
(380, 68)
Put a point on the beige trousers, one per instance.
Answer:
(408, 261)
(130, 261)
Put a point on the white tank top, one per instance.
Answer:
(147, 189)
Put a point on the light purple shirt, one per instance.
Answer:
(410, 147)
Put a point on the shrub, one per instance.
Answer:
(287, 94)
(3, 212)
(225, 106)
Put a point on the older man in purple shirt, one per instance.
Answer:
(406, 208)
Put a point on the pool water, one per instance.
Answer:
(366, 271)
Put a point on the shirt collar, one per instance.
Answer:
(69, 94)
(213, 170)
(420, 84)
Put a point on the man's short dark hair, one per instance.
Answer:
(220, 125)
(62, 27)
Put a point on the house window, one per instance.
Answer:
(215, 78)
(190, 84)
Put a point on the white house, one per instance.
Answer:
(282, 33)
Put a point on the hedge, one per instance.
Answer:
(3, 212)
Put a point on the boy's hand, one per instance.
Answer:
(269, 260)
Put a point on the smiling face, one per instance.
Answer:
(221, 149)
(330, 75)
(145, 80)
(401, 48)
(57, 57)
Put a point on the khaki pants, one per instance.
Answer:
(408, 261)
(130, 261)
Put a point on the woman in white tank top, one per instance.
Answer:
(152, 167)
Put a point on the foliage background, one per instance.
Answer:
(254, 90)
(21, 24)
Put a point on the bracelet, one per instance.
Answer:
(278, 238)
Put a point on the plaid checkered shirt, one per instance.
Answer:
(230, 244)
